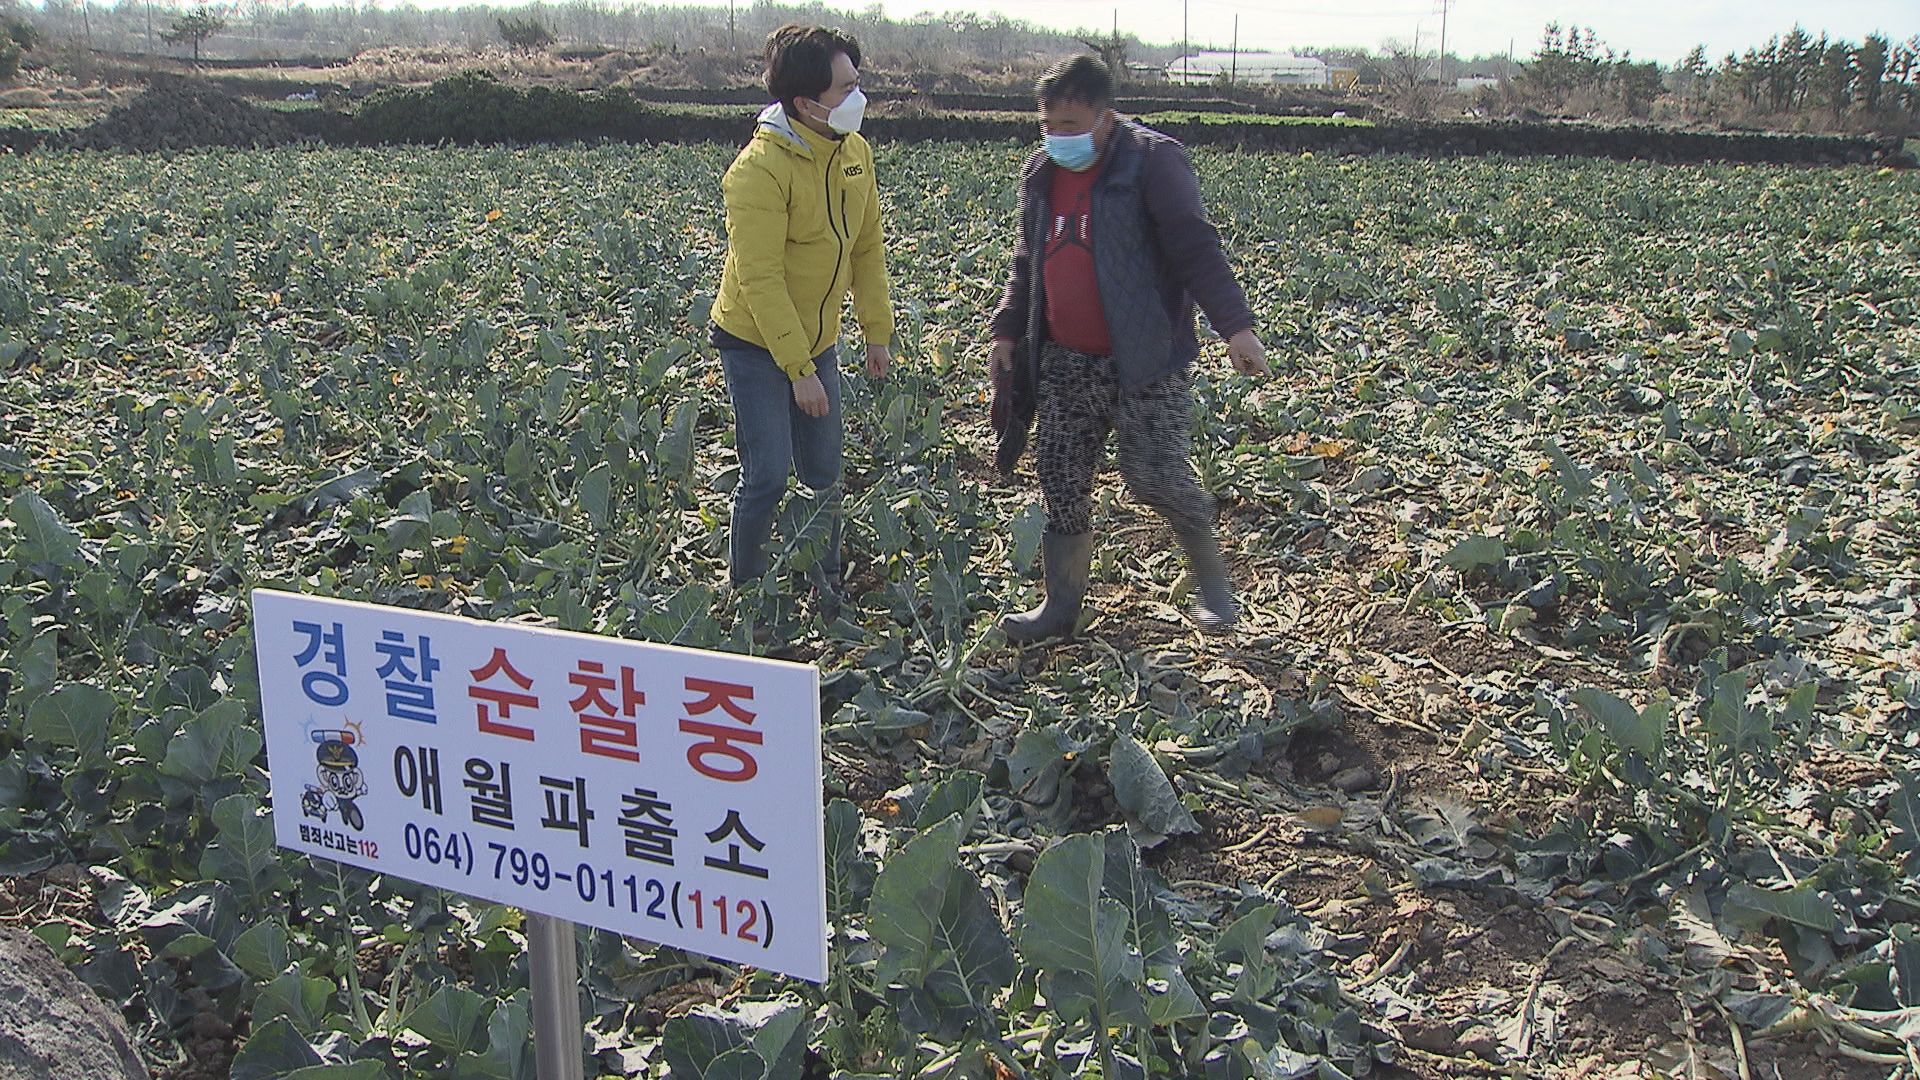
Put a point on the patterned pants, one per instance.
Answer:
(1080, 401)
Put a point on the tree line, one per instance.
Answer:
(1815, 78)
(1792, 74)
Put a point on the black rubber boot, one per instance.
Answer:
(1214, 608)
(1065, 560)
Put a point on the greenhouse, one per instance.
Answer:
(1259, 68)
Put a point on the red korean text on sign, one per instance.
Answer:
(604, 730)
(717, 755)
(489, 699)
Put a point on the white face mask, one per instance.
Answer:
(845, 117)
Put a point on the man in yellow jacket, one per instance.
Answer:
(803, 227)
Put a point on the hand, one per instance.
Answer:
(1000, 357)
(810, 395)
(879, 358)
(1248, 355)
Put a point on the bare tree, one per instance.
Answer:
(1112, 52)
(1404, 68)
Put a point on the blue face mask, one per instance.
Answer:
(1075, 152)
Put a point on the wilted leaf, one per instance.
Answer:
(1475, 552)
(1706, 947)
(1144, 792)
(1804, 906)
(1027, 530)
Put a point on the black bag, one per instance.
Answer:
(1015, 399)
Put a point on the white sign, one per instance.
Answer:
(659, 792)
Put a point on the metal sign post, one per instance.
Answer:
(556, 998)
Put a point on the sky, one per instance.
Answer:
(1662, 30)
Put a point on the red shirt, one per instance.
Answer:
(1075, 316)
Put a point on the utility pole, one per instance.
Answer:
(733, 45)
(1186, 66)
(1233, 61)
(149, 27)
(86, 24)
(1445, 7)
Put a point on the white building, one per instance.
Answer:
(1252, 68)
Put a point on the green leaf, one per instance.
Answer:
(1475, 552)
(217, 742)
(1126, 880)
(274, 1049)
(45, 536)
(1028, 529)
(1245, 943)
(596, 492)
(1906, 965)
(763, 1040)
(1738, 727)
(1577, 481)
(1079, 939)
(244, 855)
(907, 900)
(1628, 727)
(676, 448)
(942, 942)
(1153, 936)
(414, 519)
(806, 523)
(850, 870)
(187, 946)
(1285, 1063)
(75, 716)
(39, 667)
(1903, 807)
(358, 1070)
(1142, 789)
(301, 1000)
(976, 959)
(121, 901)
(453, 1019)
(56, 935)
(957, 794)
(1244, 940)
(1803, 906)
(263, 951)
(510, 1039)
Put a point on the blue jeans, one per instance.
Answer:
(774, 438)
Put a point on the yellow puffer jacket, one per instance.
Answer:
(803, 226)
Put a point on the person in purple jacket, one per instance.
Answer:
(1114, 250)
